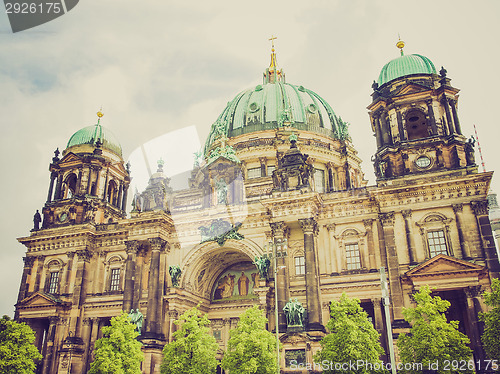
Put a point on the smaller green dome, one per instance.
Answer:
(91, 134)
(405, 65)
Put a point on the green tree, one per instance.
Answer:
(193, 349)
(251, 348)
(491, 335)
(18, 355)
(352, 339)
(118, 351)
(432, 338)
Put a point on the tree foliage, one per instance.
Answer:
(118, 351)
(491, 335)
(432, 338)
(352, 337)
(18, 355)
(251, 348)
(193, 349)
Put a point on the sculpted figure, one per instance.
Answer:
(37, 218)
(294, 312)
(175, 274)
(136, 318)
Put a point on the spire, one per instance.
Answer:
(99, 115)
(400, 44)
(273, 73)
(273, 65)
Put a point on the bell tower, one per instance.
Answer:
(89, 183)
(415, 120)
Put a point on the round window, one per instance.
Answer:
(423, 161)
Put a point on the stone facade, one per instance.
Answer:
(298, 191)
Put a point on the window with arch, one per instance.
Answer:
(114, 273)
(300, 265)
(435, 233)
(417, 126)
(70, 186)
(112, 192)
(53, 277)
(352, 243)
(353, 257)
(319, 180)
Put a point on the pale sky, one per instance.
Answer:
(159, 66)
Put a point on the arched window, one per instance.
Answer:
(435, 232)
(417, 125)
(112, 192)
(53, 276)
(70, 186)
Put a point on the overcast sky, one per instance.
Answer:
(159, 66)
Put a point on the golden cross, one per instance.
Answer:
(272, 38)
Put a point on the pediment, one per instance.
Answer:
(40, 299)
(442, 265)
(70, 157)
(411, 89)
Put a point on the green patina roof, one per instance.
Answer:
(405, 65)
(273, 105)
(90, 135)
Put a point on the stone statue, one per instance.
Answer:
(294, 312)
(136, 318)
(175, 274)
(263, 265)
(221, 187)
(37, 218)
(469, 151)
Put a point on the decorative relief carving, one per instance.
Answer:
(308, 225)
(387, 219)
(480, 208)
(473, 291)
(157, 244)
(132, 246)
(279, 229)
(29, 261)
(457, 208)
(368, 224)
(406, 213)
(84, 255)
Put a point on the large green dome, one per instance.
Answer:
(273, 105)
(91, 134)
(405, 65)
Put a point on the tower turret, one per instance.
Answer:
(415, 120)
(90, 182)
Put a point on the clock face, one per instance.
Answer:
(63, 216)
(423, 161)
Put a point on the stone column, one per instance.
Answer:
(128, 292)
(89, 180)
(455, 116)
(28, 265)
(57, 194)
(369, 238)
(53, 176)
(67, 272)
(387, 220)
(487, 240)
(401, 129)
(49, 346)
(105, 192)
(432, 118)
(124, 199)
(119, 198)
(379, 322)
(79, 290)
(154, 297)
(86, 337)
(444, 101)
(458, 209)
(78, 188)
(331, 184)
(386, 130)
(473, 309)
(310, 230)
(412, 255)
(378, 134)
(39, 271)
(279, 232)
(96, 190)
(263, 162)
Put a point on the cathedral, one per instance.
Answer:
(276, 209)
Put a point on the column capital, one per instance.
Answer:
(29, 261)
(279, 229)
(84, 255)
(473, 291)
(458, 208)
(387, 219)
(158, 244)
(480, 208)
(406, 213)
(368, 223)
(309, 225)
(132, 246)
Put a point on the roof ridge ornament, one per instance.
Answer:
(400, 44)
(273, 73)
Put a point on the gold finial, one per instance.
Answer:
(273, 54)
(400, 44)
(99, 115)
